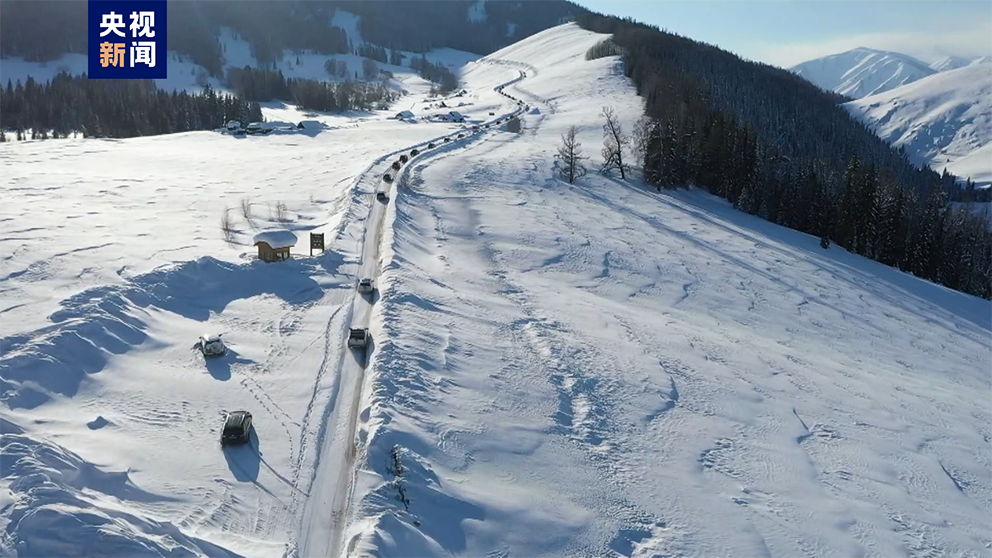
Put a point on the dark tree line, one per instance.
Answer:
(437, 73)
(970, 194)
(428, 24)
(307, 94)
(375, 52)
(830, 178)
(113, 108)
(43, 30)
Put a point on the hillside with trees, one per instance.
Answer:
(44, 30)
(779, 147)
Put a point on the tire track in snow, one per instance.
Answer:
(332, 414)
(305, 437)
(586, 413)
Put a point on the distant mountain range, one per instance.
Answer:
(864, 71)
(942, 120)
(940, 113)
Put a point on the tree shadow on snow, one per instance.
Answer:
(104, 321)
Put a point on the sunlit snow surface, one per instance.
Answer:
(597, 369)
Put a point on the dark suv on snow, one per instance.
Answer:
(236, 429)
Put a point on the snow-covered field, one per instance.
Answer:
(114, 261)
(594, 369)
(603, 370)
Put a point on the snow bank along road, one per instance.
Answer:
(325, 514)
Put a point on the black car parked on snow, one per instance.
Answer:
(237, 428)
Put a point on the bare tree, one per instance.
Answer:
(281, 212)
(226, 225)
(246, 209)
(570, 156)
(614, 143)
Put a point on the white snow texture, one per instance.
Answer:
(595, 369)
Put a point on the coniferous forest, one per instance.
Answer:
(778, 147)
(43, 30)
(113, 108)
(307, 94)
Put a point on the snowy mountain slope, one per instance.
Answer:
(941, 120)
(110, 433)
(603, 370)
(187, 75)
(954, 62)
(863, 71)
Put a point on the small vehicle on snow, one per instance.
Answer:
(460, 136)
(237, 429)
(492, 114)
(210, 344)
(387, 178)
(415, 152)
(446, 140)
(404, 158)
(381, 196)
(397, 165)
(365, 286)
(358, 337)
(431, 146)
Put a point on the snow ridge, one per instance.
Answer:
(943, 120)
(862, 71)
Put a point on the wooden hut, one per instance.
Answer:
(273, 246)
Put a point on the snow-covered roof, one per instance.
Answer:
(405, 114)
(315, 124)
(276, 239)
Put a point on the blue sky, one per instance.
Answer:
(787, 32)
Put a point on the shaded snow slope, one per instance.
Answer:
(603, 370)
(183, 74)
(941, 120)
(863, 71)
(112, 263)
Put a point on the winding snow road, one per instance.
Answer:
(325, 515)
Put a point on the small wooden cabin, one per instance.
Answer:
(273, 246)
